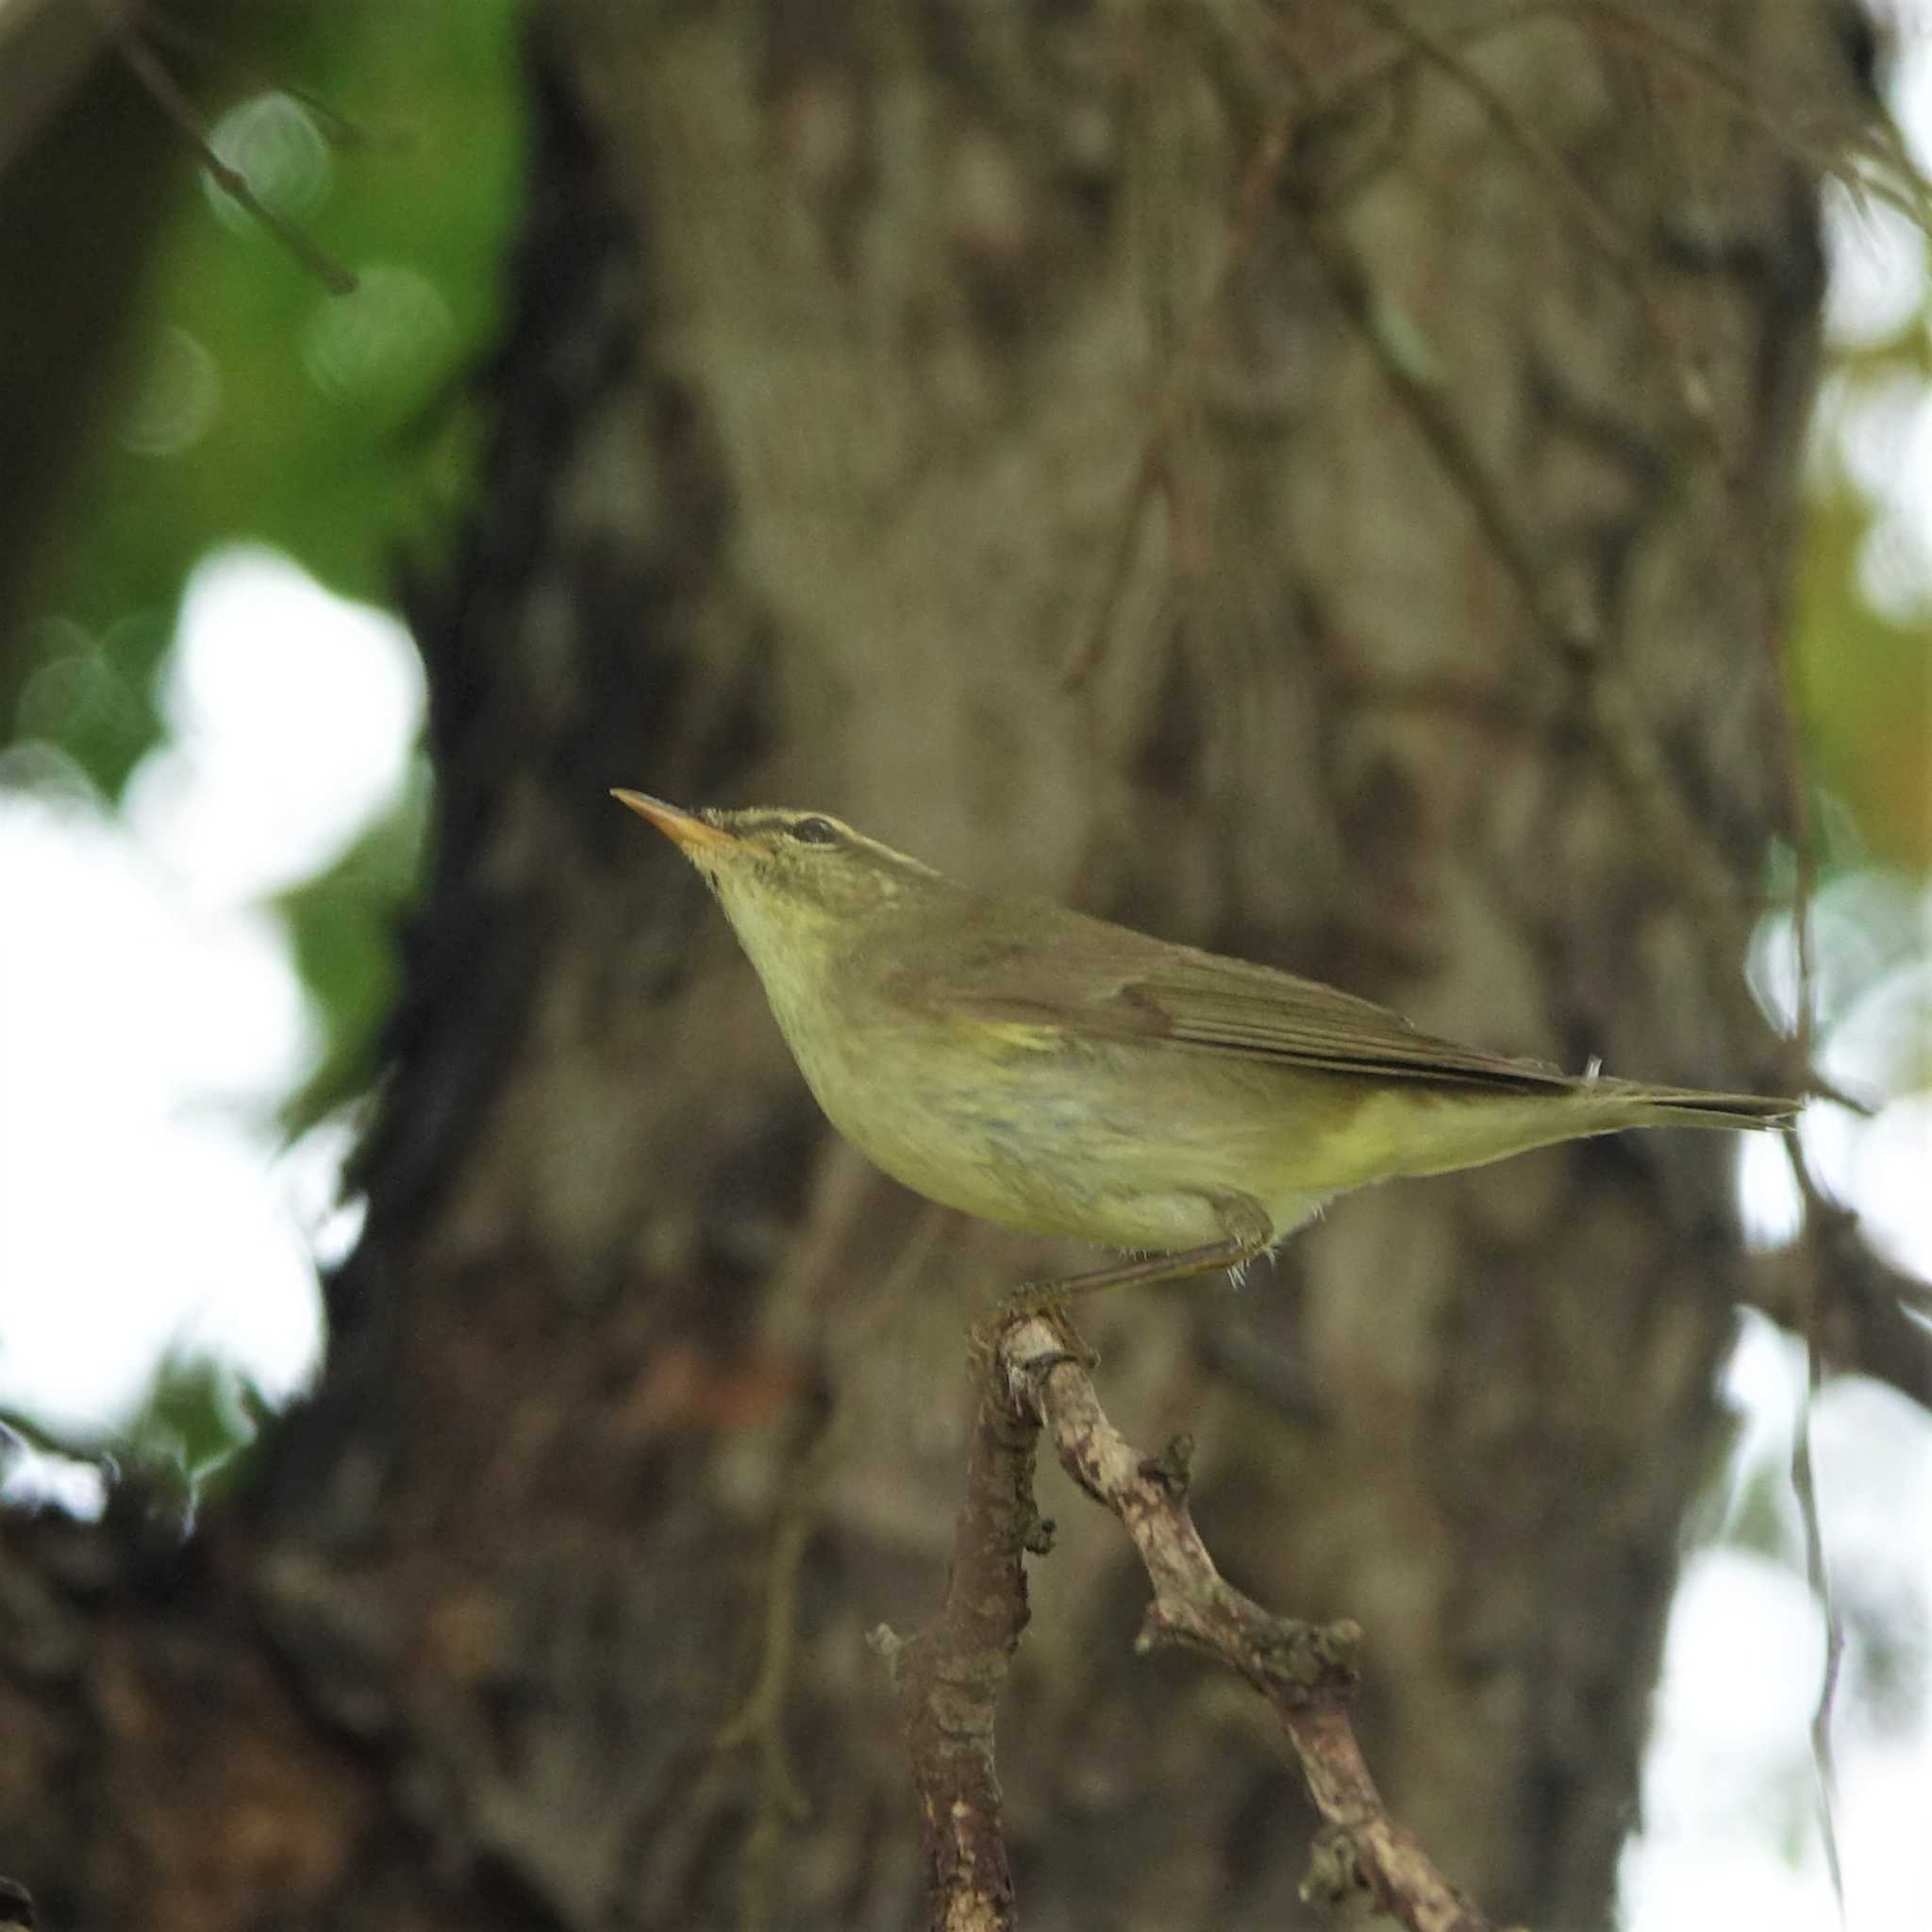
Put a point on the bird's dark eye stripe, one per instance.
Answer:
(814, 831)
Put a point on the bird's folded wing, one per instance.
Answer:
(1076, 991)
(1306, 1023)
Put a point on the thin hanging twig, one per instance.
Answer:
(147, 67)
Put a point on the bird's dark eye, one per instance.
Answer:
(814, 831)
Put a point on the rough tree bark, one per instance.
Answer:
(1293, 484)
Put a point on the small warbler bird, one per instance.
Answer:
(1064, 1075)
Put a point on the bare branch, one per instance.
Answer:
(950, 1675)
(1304, 1671)
(1866, 1317)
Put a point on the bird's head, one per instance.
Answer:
(791, 882)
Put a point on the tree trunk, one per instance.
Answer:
(1299, 488)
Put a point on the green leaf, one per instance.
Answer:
(342, 925)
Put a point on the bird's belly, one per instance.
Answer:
(1066, 1142)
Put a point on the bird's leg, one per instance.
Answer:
(1249, 1231)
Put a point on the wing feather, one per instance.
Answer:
(1085, 980)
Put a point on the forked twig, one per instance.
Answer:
(950, 1675)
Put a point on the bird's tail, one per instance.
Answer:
(1687, 1107)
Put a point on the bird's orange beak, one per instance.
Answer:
(683, 828)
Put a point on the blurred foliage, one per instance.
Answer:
(342, 924)
(256, 404)
(1864, 683)
(185, 1440)
(1861, 658)
(1867, 931)
(1861, 612)
(200, 1415)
